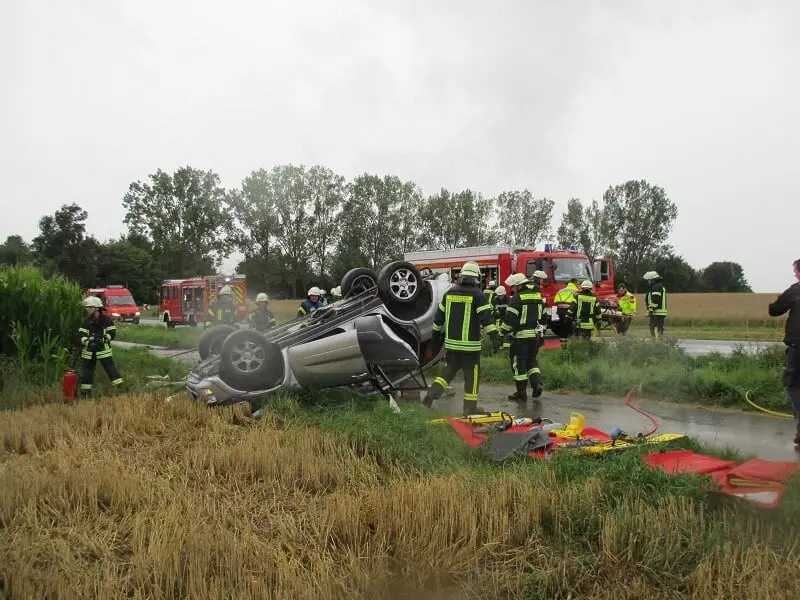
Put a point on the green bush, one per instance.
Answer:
(40, 318)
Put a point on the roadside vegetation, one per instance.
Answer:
(351, 501)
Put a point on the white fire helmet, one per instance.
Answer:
(262, 297)
(500, 291)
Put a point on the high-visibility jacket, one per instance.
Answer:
(489, 293)
(586, 310)
(657, 299)
(627, 304)
(222, 312)
(307, 307)
(462, 313)
(524, 312)
(95, 336)
(566, 294)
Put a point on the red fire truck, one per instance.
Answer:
(498, 262)
(186, 301)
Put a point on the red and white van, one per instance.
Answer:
(119, 303)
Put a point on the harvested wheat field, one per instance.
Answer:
(136, 498)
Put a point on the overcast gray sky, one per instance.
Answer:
(564, 98)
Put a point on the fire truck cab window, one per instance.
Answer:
(538, 264)
(565, 269)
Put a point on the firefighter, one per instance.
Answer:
(491, 291)
(566, 295)
(96, 334)
(585, 312)
(223, 309)
(499, 304)
(262, 318)
(461, 315)
(323, 297)
(312, 302)
(656, 304)
(336, 293)
(627, 305)
(522, 320)
(789, 301)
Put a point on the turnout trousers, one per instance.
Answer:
(470, 364)
(525, 367)
(87, 377)
(791, 382)
(657, 325)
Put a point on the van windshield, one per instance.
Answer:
(565, 269)
(126, 300)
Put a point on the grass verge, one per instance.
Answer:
(180, 337)
(132, 497)
(134, 364)
(661, 370)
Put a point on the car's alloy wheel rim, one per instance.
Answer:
(248, 357)
(403, 284)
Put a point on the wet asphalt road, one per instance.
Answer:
(750, 433)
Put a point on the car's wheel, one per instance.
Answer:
(400, 282)
(210, 342)
(250, 362)
(357, 281)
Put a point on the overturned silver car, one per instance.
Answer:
(376, 340)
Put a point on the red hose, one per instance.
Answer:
(642, 412)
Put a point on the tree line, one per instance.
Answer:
(299, 226)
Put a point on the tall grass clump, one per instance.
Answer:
(40, 318)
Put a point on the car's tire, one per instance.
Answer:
(250, 362)
(210, 342)
(358, 281)
(400, 282)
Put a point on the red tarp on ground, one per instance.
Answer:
(474, 438)
(758, 481)
(686, 461)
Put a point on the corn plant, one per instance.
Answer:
(39, 319)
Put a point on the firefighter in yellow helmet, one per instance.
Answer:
(562, 302)
(522, 322)
(96, 334)
(461, 315)
(585, 312)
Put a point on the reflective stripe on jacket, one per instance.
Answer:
(524, 312)
(657, 299)
(461, 314)
(104, 330)
(586, 310)
(627, 304)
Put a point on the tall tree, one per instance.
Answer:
(295, 225)
(185, 214)
(525, 220)
(15, 251)
(585, 227)
(639, 218)
(121, 262)
(724, 276)
(677, 275)
(62, 245)
(327, 192)
(457, 220)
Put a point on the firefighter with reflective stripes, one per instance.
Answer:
(522, 320)
(95, 336)
(491, 291)
(656, 304)
(222, 310)
(565, 295)
(585, 313)
(261, 319)
(461, 315)
(499, 303)
(311, 303)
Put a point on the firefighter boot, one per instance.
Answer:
(536, 385)
(521, 394)
(471, 408)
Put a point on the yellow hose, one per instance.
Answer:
(765, 410)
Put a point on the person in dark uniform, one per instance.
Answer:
(223, 309)
(789, 301)
(499, 304)
(656, 304)
(585, 312)
(461, 315)
(523, 316)
(261, 319)
(96, 334)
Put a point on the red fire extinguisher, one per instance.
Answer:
(69, 386)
